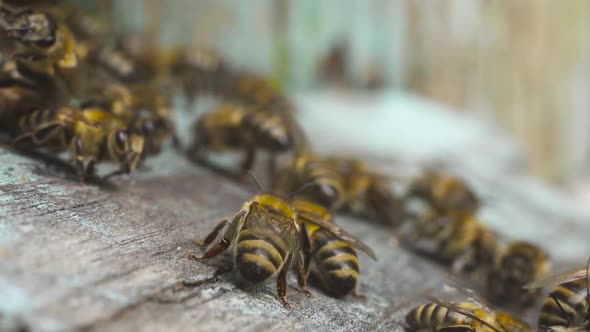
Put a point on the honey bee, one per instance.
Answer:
(444, 192)
(92, 135)
(49, 45)
(142, 107)
(237, 128)
(517, 265)
(444, 316)
(367, 193)
(567, 307)
(323, 184)
(266, 239)
(330, 247)
(454, 237)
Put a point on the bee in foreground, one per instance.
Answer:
(92, 135)
(443, 316)
(331, 249)
(237, 128)
(455, 238)
(266, 239)
(517, 265)
(567, 307)
(319, 180)
(444, 192)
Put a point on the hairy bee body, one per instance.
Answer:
(516, 266)
(236, 128)
(432, 316)
(463, 316)
(336, 260)
(91, 134)
(265, 237)
(367, 193)
(566, 308)
(141, 107)
(261, 252)
(454, 237)
(324, 185)
(444, 192)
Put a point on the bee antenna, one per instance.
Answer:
(560, 307)
(255, 182)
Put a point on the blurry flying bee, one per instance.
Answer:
(331, 249)
(367, 193)
(237, 128)
(444, 316)
(266, 239)
(326, 184)
(567, 307)
(454, 237)
(444, 192)
(92, 135)
(517, 265)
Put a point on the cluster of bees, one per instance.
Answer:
(68, 83)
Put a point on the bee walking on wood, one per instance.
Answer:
(567, 307)
(237, 128)
(444, 316)
(266, 239)
(444, 192)
(453, 237)
(92, 135)
(323, 183)
(367, 193)
(516, 266)
(330, 248)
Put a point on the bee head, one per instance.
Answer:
(126, 147)
(33, 27)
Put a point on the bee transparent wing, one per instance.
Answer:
(343, 235)
(467, 313)
(259, 218)
(562, 278)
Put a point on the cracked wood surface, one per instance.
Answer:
(114, 257)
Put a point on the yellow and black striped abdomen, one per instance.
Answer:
(336, 261)
(259, 254)
(572, 307)
(431, 316)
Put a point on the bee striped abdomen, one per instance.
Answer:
(572, 299)
(259, 255)
(431, 316)
(337, 262)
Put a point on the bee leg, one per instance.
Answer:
(358, 296)
(78, 149)
(302, 280)
(223, 270)
(213, 235)
(282, 283)
(225, 242)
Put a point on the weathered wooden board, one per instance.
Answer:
(114, 258)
